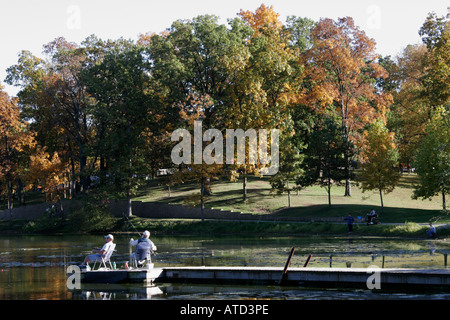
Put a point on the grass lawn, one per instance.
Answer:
(310, 203)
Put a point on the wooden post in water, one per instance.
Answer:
(288, 262)
(307, 260)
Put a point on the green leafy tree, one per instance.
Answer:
(380, 157)
(324, 162)
(120, 86)
(432, 161)
(299, 32)
(195, 62)
(289, 170)
(435, 34)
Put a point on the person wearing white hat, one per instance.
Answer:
(144, 247)
(98, 253)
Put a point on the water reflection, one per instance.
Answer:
(34, 267)
(233, 292)
(116, 292)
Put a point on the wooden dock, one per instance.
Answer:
(434, 279)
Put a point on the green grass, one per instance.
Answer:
(30, 199)
(254, 228)
(310, 203)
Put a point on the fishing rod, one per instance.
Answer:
(135, 229)
(128, 221)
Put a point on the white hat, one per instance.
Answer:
(146, 234)
(110, 236)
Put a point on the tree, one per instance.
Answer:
(290, 169)
(258, 97)
(432, 161)
(324, 157)
(50, 173)
(54, 97)
(120, 86)
(435, 34)
(299, 30)
(410, 110)
(420, 74)
(193, 169)
(342, 71)
(191, 59)
(16, 140)
(380, 158)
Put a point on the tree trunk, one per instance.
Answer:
(10, 197)
(244, 186)
(61, 210)
(8, 178)
(443, 201)
(381, 199)
(20, 193)
(348, 188)
(129, 207)
(329, 192)
(289, 194)
(344, 115)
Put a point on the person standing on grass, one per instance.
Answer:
(350, 221)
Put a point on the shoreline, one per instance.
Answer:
(193, 227)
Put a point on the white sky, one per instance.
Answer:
(29, 24)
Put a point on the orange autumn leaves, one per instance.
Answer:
(341, 68)
(263, 18)
(20, 156)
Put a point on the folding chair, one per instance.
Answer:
(106, 258)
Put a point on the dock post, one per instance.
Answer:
(288, 262)
(307, 260)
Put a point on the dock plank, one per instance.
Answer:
(330, 277)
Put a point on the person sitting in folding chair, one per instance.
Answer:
(101, 255)
(144, 248)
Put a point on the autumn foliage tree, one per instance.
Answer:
(341, 72)
(410, 110)
(48, 173)
(259, 98)
(98, 116)
(16, 142)
(53, 96)
(419, 75)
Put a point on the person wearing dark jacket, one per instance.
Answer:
(350, 221)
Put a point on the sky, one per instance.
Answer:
(29, 24)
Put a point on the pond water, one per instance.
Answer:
(34, 267)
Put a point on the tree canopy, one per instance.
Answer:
(99, 115)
